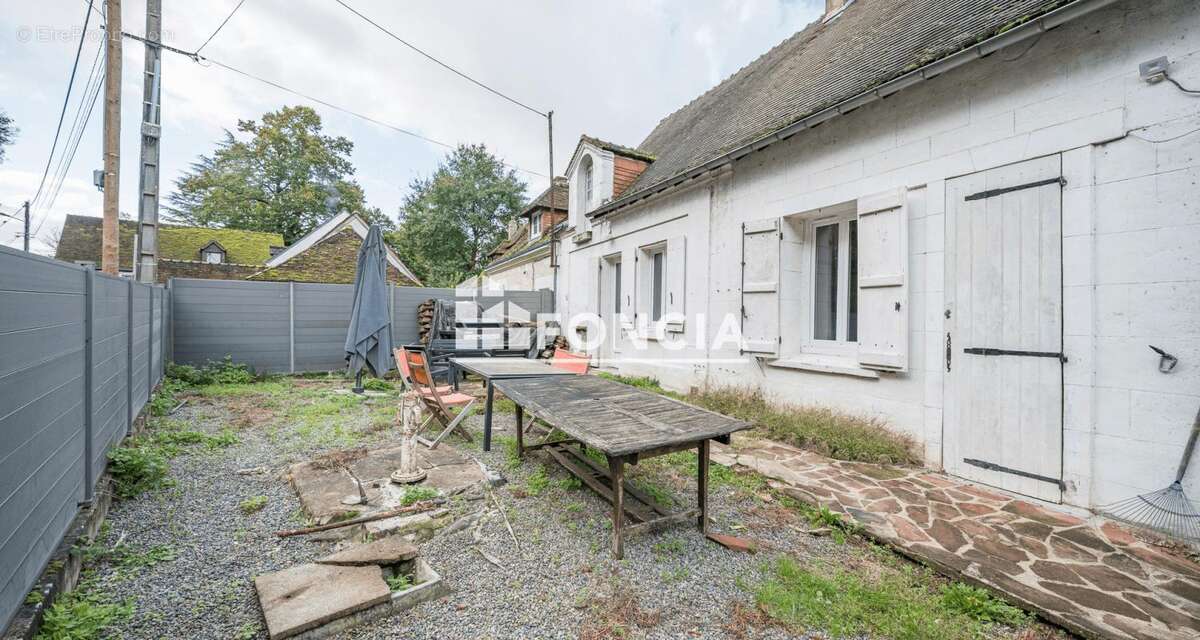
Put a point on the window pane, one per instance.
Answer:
(825, 292)
(657, 290)
(617, 288)
(852, 294)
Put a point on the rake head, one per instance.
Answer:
(1167, 511)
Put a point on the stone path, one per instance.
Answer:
(1097, 581)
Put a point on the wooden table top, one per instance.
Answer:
(615, 418)
(498, 368)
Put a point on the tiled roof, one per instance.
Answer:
(871, 42)
(630, 152)
(81, 239)
(543, 200)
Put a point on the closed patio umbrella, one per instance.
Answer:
(369, 338)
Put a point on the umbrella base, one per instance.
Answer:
(408, 478)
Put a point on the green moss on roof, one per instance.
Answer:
(241, 247)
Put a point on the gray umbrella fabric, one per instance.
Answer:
(369, 338)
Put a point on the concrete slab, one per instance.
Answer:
(309, 595)
(321, 489)
(388, 551)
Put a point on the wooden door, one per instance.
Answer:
(1002, 422)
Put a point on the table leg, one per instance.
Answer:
(487, 416)
(702, 486)
(616, 468)
(520, 432)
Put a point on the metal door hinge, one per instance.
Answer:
(988, 351)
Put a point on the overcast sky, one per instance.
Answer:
(608, 69)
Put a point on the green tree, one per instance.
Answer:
(450, 221)
(8, 132)
(281, 175)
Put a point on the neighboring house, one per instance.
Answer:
(522, 260)
(329, 254)
(184, 252)
(968, 218)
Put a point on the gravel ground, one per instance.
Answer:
(555, 581)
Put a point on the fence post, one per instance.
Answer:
(129, 356)
(292, 327)
(89, 323)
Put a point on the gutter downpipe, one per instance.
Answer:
(1035, 27)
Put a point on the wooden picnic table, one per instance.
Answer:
(492, 369)
(626, 425)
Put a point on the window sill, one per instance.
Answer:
(825, 364)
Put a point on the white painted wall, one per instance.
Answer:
(526, 276)
(1131, 226)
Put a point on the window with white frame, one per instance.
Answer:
(535, 225)
(834, 281)
(586, 180)
(657, 276)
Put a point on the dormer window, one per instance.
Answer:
(535, 225)
(212, 253)
(586, 167)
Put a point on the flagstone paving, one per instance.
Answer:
(1097, 580)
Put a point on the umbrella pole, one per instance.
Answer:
(358, 388)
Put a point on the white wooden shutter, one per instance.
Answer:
(760, 287)
(883, 281)
(597, 282)
(675, 280)
(629, 267)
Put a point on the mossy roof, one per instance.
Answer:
(81, 238)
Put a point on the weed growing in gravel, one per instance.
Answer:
(896, 604)
(252, 505)
(674, 546)
(509, 443)
(246, 632)
(416, 494)
(136, 469)
(537, 482)
(655, 491)
(981, 605)
(398, 582)
(82, 615)
(35, 596)
(570, 483)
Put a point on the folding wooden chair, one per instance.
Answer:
(406, 374)
(438, 400)
(568, 361)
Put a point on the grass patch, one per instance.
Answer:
(826, 431)
(981, 605)
(375, 384)
(898, 604)
(645, 383)
(416, 494)
(82, 615)
(252, 505)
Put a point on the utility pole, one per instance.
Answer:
(146, 262)
(26, 236)
(112, 137)
(553, 232)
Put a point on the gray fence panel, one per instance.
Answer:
(321, 321)
(246, 320)
(109, 361)
(404, 311)
(272, 326)
(141, 346)
(42, 307)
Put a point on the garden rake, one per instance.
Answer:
(1167, 511)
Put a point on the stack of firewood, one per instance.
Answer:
(559, 342)
(425, 319)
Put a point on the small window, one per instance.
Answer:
(835, 281)
(535, 225)
(585, 184)
(658, 264)
(213, 257)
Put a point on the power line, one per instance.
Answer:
(71, 158)
(436, 61)
(221, 26)
(87, 16)
(198, 58)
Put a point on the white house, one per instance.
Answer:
(967, 217)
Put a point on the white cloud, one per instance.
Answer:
(606, 69)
